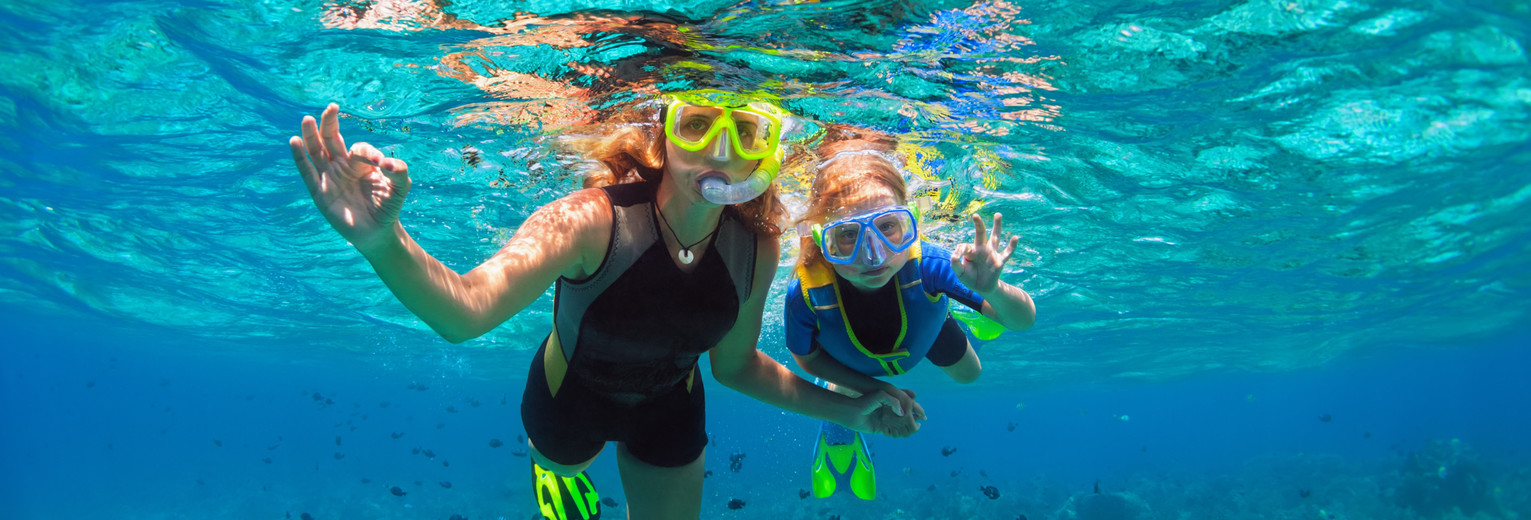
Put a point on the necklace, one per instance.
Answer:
(684, 255)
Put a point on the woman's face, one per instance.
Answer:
(867, 197)
(687, 169)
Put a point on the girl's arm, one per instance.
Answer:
(738, 364)
(978, 266)
(1009, 306)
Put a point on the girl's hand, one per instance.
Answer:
(358, 191)
(979, 264)
(906, 402)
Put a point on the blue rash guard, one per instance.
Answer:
(887, 331)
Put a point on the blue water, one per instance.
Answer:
(1277, 248)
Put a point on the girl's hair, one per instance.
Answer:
(849, 159)
(629, 146)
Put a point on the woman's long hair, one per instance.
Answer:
(848, 158)
(630, 148)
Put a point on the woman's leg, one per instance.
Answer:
(561, 470)
(660, 493)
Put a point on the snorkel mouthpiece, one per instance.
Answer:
(718, 191)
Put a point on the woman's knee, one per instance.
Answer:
(562, 470)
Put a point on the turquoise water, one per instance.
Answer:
(1236, 218)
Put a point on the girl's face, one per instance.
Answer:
(868, 197)
(687, 168)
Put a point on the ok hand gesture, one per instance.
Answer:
(358, 191)
(979, 264)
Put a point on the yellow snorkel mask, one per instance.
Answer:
(750, 126)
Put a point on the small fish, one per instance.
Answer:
(339, 455)
(266, 460)
(1020, 517)
(318, 397)
(473, 402)
(520, 439)
(495, 443)
(428, 454)
(445, 484)
(397, 434)
(947, 451)
(707, 474)
(306, 516)
(415, 451)
(218, 443)
(457, 517)
(734, 503)
(446, 464)
(397, 491)
(802, 493)
(519, 453)
(451, 409)
(1325, 418)
(609, 502)
(384, 404)
(366, 480)
(931, 488)
(1097, 487)
(417, 483)
(956, 472)
(1304, 493)
(990, 491)
(273, 447)
(1011, 426)
(736, 461)
(337, 440)
(983, 473)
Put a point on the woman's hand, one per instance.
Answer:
(358, 191)
(979, 264)
(881, 413)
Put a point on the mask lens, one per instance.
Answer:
(896, 228)
(754, 131)
(840, 241)
(692, 123)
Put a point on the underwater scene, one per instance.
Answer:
(1280, 252)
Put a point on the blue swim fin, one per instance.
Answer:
(840, 456)
(558, 498)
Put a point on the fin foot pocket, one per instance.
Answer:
(565, 498)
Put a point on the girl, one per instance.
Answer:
(870, 299)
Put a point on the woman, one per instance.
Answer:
(871, 297)
(650, 275)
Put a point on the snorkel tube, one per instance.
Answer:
(718, 191)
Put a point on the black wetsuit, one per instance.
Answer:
(631, 333)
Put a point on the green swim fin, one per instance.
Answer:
(979, 326)
(556, 495)
(840, 455)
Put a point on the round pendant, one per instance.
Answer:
(685, 256)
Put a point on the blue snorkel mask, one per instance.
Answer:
(869, 239)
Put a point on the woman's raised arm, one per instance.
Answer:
(361, 193)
